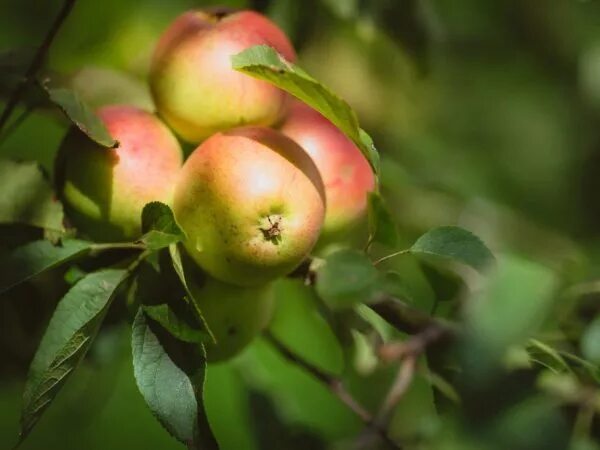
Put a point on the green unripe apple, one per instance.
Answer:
(104, 190)
(346, 173)
(234, 314)
(252, 204)
(196, 90)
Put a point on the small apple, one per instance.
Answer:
(235, 315)
(193, 84)
(252, 204)
(104, 190)
(346, 173)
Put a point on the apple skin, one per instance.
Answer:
(196, 90)
(235, 315)
(346, 173)
(252, 204)
(104, 190)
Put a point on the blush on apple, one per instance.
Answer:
(252, 204)
(193, 84)
(104, 190)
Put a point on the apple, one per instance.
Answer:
(104, 190)
(193, 84)
(346, 173)
(252, 204)
(235, 315)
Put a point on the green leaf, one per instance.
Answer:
(382, 228)
(552, 358)
(590, 342)
(346, 278)
(456, 244)
(391, 283)
(159, 226)
(69, 335)
(27, 197)
(443, 386)
(508, 310)
(300, 323)
(591, 369)
(167, 318)
(81, 115)
(264, 63)
(33, 258)
(180, 271)
(170, 375)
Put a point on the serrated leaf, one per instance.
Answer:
(382, 228)
(81, 115)
(33, 258)
(456, 244)
(346, 278)
(159, 226)
(167, 318)
(264, 63)
(170, 376)
(590, 342)
(27, 197)
(180, 271)
(69, 335)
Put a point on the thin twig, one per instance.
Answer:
(404, 317)
(408, 353)
(335, 385)
(415, 345)
(36, 62)
(401, 384)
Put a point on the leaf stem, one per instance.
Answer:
(36, 62)
(97, 248)
(335, 385)
(392, 255)
(137, 261)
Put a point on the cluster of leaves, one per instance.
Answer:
(491, 332)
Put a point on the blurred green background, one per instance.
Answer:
(486, 115)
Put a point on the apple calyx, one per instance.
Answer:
(271, 228)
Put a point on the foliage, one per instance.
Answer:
(424, 338)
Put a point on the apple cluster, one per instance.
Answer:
(270, 181)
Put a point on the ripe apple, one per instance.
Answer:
(104, 190)
(235, 315)
(346, 173)
(193, 84)
(252, 204)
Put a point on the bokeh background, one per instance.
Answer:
(486, 115)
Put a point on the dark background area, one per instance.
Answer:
(486, 115)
